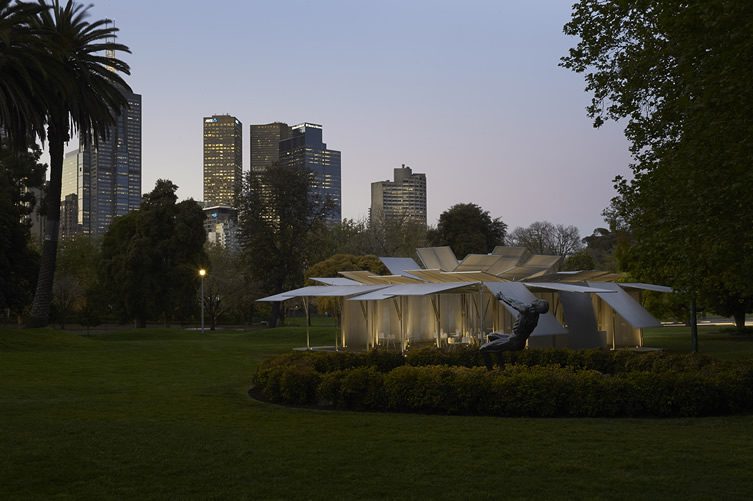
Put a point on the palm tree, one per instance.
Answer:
(88, 100)
(23, 67)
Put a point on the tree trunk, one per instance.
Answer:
(276, 307)
(40, 308)
(739, 316)
(693, 326)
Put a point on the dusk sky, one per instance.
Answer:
(468, 93)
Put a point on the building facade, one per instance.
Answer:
(304, 149)
(264, 144)
(223, 159)
(105, 177)
(401, 199)
(221, 225)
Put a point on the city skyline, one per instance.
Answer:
(472, 88)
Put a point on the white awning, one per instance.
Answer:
(335, 281)
(550, 286)
(648, 287)
(627, 307)
(399, 265)
(323, 291)
(547, 326)
(438, 276)
(438, 257)
(410, 290)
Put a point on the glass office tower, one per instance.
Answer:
(306, 150)
(223, 159)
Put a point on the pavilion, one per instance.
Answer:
(449, 301)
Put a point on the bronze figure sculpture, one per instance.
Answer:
(528, 319)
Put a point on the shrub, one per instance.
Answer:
(455, 355)
(539, 383)
(362, 388)
(328, 392)
(298, 385)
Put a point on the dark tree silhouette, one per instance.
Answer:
(86, 95)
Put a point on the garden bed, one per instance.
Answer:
(534, 383)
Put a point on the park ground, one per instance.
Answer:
(164, 413)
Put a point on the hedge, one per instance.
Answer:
(534, 383)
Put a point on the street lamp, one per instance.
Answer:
(202, 274)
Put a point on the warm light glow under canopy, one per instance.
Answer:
(202, 272)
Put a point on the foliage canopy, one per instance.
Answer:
(468, 229)
(678, 73)
(151, 257)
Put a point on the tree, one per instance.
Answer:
(75, 276)
(678, 74)
(543, 237)
(348, 237)
(332, 266)
(468, 229)
(151, 257)
(398, 236)
(603, 245)
(278, 214)
(85, 95)
(226, 292)
(581, 260)
(395, 237)
(25, 66)
(18, 260)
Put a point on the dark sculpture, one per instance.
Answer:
(528, 318)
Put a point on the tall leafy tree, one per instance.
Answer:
(151, 258)
(278, 216)
(678, 75)
(468, 229)
(18, 260)
(85, 96)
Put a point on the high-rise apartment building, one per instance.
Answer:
(221, 225)
(264, 142)
(305, 149)
(106, 176)
(401, 199)
(223, 159)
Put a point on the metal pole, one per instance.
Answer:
(481, 311)
(693, 325)
(202, 304)
(308, 321)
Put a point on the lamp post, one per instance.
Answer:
(202, 274)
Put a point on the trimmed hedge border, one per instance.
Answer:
(532, 383)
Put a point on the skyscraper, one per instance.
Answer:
(304, 149)
(403, 198)
(106, 176)
(69, 195)
(264, 142)
(223, 159)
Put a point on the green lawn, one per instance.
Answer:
(163, 413)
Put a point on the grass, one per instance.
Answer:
(163, 413)
(712, 341)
